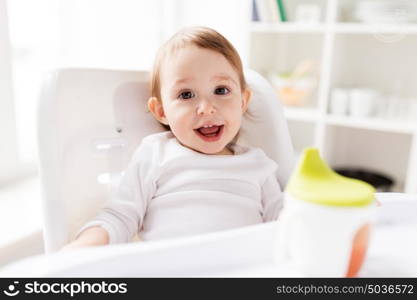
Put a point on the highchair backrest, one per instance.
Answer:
(90, 122)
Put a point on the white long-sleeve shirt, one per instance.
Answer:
(169, 190)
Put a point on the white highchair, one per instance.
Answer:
(89, 123)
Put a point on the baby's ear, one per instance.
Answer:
(156, 108)
(246, 98)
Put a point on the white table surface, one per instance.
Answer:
(243, 252)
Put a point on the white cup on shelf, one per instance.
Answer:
(339, 101)
(362, 102)
(413, 110)
(408, 109)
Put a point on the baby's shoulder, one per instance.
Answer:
(150, 145)
(157, 138)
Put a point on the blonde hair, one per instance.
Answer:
(202, 37)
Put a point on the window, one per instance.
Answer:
(48, 34)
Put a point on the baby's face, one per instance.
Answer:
(202, 99)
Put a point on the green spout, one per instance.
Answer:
(314, 181)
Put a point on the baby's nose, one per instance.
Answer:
(205, 107)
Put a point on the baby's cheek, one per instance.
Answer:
(236, 115)
(182, 126)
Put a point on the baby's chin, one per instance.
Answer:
(207, 149)
(215, 152)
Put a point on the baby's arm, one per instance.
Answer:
(93, 236)
(272, 199)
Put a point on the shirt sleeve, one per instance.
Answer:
(123, 214)
(272, 199)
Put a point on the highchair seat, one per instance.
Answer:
(90, 122)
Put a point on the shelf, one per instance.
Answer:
(365, 28)
(287, 27)
(350, 28)
(351, 55)
(372, 124)
(301, 114)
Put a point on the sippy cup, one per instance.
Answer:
(325, 224)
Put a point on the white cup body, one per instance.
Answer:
(316, 239)
(339, 101)
(362, 102)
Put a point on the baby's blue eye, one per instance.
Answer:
(222, 90)
(186, 95)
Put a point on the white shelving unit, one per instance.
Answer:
(349, 54)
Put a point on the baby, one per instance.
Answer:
(193, 178)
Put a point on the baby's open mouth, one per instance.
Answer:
(210, 133)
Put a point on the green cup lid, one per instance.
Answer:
(314, 181)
